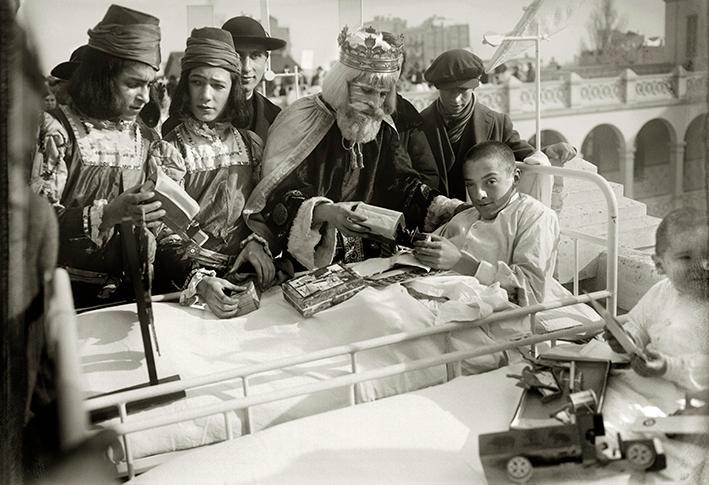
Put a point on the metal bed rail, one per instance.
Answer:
(351, 379)
(351, 349)
(125, 428)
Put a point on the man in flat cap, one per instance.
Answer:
(457, 121)
(92, 156)
(253, 44)
(329, 151)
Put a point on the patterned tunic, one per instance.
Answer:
(218, 167)
(80, 165)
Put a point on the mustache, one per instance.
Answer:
(358, 107)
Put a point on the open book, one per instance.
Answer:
(179, 207)
(380, 221)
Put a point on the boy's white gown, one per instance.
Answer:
(518, 248)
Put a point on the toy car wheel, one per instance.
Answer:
(519, 469)
(640, 456)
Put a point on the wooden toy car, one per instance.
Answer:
(512, 455)
(518, 451)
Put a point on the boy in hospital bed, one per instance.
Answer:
(670, 323)
(506, 237)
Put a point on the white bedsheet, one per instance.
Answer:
(424, 437)
(193, 342)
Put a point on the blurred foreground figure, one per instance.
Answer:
(30, 440)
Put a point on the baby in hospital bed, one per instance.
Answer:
(671, 321)
(506, 237)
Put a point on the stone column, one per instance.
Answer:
(677, 168)
(514, 103)
(574, 81)
(627, 170)
(628, 80)
(679, 82)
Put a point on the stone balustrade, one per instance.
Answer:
(576, 94)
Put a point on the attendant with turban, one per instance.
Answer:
(217, 165)
(328, 151)
(92, 157)
(457, 121)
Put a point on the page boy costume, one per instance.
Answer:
(82, 164)
(217, 164)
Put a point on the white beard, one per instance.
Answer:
(357, 127)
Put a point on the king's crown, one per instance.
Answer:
(367, 50)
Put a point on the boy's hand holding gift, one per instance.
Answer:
(437, 252)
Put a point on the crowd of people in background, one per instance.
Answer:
(282, 88)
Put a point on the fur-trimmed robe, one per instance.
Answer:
(305, 163)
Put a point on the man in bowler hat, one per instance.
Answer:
(457, 121)
(253, 45)
(62, 73)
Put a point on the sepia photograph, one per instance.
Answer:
(337, 242)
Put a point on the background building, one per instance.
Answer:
(686, 33)
(426, 41)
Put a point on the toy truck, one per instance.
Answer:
(511, 456)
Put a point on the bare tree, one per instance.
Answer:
(604, 21)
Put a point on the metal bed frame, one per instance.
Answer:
(128, 427)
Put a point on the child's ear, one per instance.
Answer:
(658, 264)
(516, 175)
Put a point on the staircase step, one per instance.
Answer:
(584, 192)
(627, 224)
(597, 212)
(572, 183)
(638, 232)
(581, 164)
(640, 237)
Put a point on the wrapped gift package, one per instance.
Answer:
(322, 288)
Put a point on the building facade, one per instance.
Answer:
(426, 41)
(686, 33)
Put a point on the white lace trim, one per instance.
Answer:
(106, 144)
(207, 150)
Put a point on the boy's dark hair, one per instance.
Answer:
(235, 111)
(492, 149)
(676, 222)
(92, 86)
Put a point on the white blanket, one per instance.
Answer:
(424, 437)
(194, 342)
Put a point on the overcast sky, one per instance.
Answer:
(59, 26)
